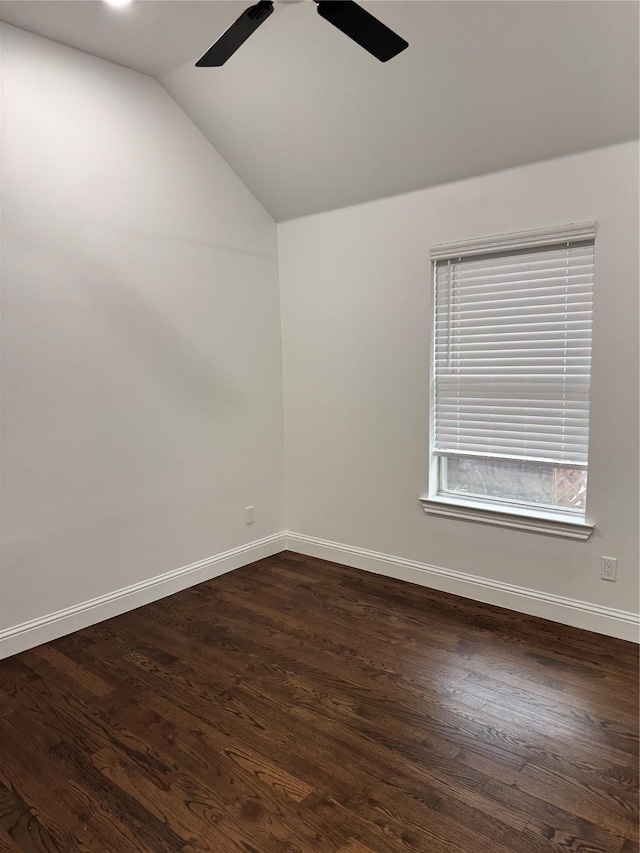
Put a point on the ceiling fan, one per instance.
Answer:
(346, 15)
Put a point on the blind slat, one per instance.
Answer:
(489, 284)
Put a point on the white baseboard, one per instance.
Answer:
(29, 634)
(569, 611)
(557, 608)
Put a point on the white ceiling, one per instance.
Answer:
(312, 122)
(152, 36)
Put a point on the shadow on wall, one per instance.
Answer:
(186, 345)
(188, 371)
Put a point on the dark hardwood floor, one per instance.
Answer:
(297, 706)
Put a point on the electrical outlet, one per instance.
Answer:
(249, 515)
(609, 569)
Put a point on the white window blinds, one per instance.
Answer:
(513, 352)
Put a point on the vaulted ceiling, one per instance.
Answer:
(311, 122)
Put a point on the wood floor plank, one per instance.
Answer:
(552, 822)
(22, 826)
(7, 844)
(199, 824)
(85, 679)
(570, 836)
(354, 847)
(300, 705)
(617, 814)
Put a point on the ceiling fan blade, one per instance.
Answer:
(363, 28)
(236, 35)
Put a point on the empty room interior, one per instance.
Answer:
(320, 426)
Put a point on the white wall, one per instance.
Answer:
(142, 374)
(355, 305)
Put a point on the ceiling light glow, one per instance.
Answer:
(118, 3)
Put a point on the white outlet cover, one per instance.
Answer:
(609, 569)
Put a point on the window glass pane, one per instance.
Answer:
(511, 480)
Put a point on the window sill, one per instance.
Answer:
(532, 522)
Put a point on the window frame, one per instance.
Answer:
(522, 515)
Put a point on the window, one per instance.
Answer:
(510, 377)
